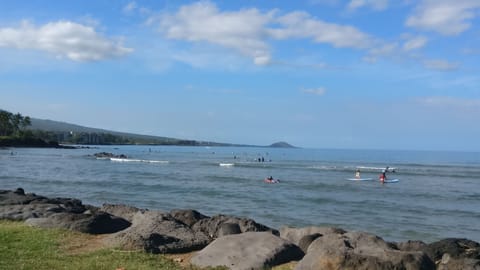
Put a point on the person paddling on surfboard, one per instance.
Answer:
(271, 180)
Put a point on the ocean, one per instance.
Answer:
(438, 194)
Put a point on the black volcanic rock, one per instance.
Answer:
(92, 223)
(238, 243)
(108, 155)
(65, 213)
(158, 232)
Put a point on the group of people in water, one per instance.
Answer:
(382, 177)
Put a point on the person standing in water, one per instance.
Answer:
(357, 174)
(383, 176)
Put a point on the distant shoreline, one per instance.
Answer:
(38, 143)
(9, 142)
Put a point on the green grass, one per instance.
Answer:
(23, 247)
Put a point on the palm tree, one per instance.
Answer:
(6, 127)
(26, 121)
(16, 119)
(13, 124)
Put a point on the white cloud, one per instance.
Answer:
(63, 39)
(201, 57)
(130, 7)
(302, 25)
(242, 30)
(384, 49)
(315, 91)
(381, 50)
(439, 64)
(415, 43)
(374, 4)
(248, 31)
(447, 17)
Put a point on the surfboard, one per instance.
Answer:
(391, 181)
(273, 181)
(359, 179)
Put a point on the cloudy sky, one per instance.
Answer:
(378, 74)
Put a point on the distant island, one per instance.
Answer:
(17, 130)
(282, 145)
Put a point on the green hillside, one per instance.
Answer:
(19, 130)
(76, 134)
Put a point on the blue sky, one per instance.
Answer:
(378, 74)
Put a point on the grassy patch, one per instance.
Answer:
(23, 247)
(286, 266)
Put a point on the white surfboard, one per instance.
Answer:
(360, 179)
(390, 181)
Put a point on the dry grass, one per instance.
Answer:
(75, 243)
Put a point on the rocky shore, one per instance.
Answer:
(235, 242)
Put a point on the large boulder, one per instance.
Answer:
(449, 263)
(187, 216)
(455, 247)
(17, 205)
(358, 250)
(64, 213)
(8, 197)
(454, 253)
(96, 223)
(213, 226)
(22, 212)
(250, 250)
(121, 210)
(305, 241)
(294, 235)
(158, 232)
(411, 245)
(19, 197)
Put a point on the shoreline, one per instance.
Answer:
(13, 142)
(224, 236)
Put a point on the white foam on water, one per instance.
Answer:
(138, 160)
(226, 164)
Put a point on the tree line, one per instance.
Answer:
(13, 124)
(13, 131)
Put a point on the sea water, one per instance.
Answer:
(438, 194)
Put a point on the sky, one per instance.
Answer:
(352, 74)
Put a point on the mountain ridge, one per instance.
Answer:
(63, 129)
